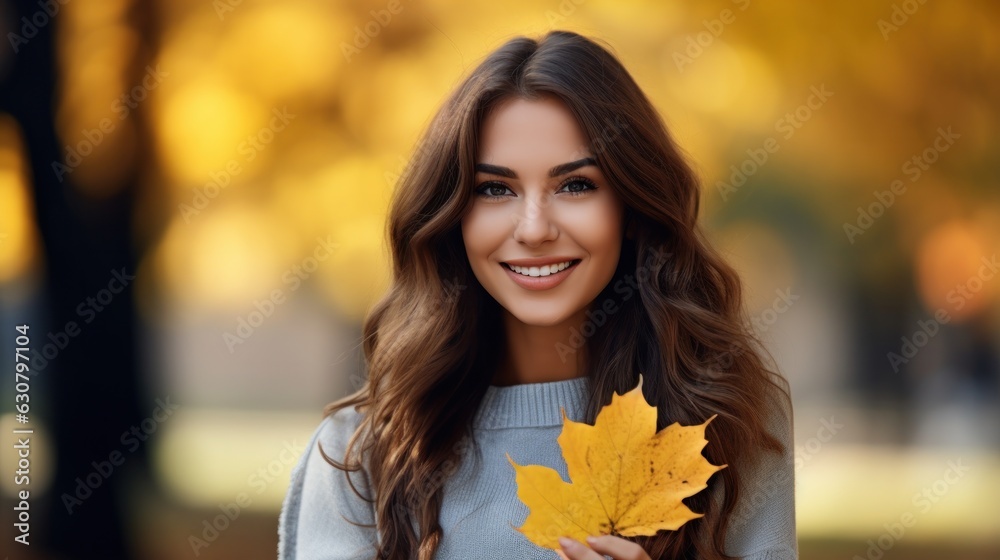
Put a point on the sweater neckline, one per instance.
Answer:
(532, 405)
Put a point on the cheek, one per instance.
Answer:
(479, 233)
(602, 234)
(469, 239)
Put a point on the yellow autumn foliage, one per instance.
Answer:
(627, 479)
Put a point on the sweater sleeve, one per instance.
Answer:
(762, 526)
(315, 519)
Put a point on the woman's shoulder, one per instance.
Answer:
(335, 430)
(318, 495)
(331, 436)
(778, 409)
(763, 520)
(346, 419)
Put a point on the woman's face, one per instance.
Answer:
(544, 232)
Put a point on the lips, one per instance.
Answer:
(532, 277)
(541, 261)
(542, 270)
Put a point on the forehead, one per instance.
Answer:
(524, 133)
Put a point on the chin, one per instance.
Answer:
(541, 317)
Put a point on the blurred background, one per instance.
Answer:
(192, 196)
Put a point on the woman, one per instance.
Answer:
(545, 252)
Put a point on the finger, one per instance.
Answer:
(576, 550)
(561, 555)
(617, 547)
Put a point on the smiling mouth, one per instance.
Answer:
(540, 271)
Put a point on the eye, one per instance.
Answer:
(576, 186)
(492, 190)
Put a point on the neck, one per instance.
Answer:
(537, 354)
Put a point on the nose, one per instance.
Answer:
(532, 223)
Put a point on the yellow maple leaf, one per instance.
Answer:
(627, 479)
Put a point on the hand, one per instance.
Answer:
(615, 547)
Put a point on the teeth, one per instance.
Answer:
(540, 270)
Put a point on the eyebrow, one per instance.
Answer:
(556, 171)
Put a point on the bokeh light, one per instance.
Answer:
(849, 173)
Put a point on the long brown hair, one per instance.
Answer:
(433, 341)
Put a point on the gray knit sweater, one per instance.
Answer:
(480, 503)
